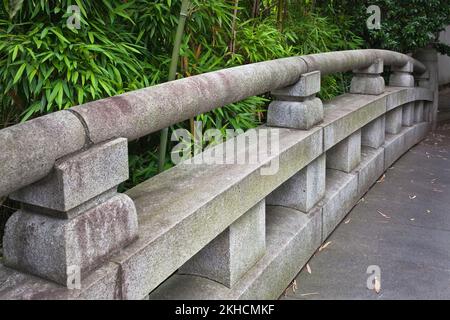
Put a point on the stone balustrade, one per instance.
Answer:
(204, 230)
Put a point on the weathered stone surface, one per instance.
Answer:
(370, 168)
(297, 115)
(407, 67)
(419, 112)
(401, 79)
(421, 130)
(340, 196)
(135, 114)
(406, 95)
(372, 134)
(347, 114)
(375, 68)
(396, 145)
(408, 115)
(367, 84)
(29, 150)
(394, 119)
(101, 284)
(229, 256)
(346, 155)
(201, 200)
(48, 247)
(79, 177)
(308, 85)
(427, 108)
(303, 190)
(292, 238)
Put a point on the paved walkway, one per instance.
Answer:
(402, 226)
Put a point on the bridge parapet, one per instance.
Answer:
(204, 229)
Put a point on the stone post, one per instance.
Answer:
(297, 106)
(229, 256)
(430, 80)
(346, 155)
(402, 76)
(73, 220)
(368, 80)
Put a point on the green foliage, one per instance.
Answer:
(125, 45)
(45, 66)
(405, 25)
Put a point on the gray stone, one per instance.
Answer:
(292, 238)
(29, 150)
(372, 134)
(308, 85)
(79, 177)
(297, 115)
(370, 168)
(346, 155)
(407, 67)
(419, 112)
(396, 145)
(367, 84)
(427, 108)
(341, 195)
(394, 119)
(408, 115)
(303, 190)
(201, 200)
(421, 130)
(401, 79)
(50, 247)
(229, 256)
(101, 284)
(376, 68)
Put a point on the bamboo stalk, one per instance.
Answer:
(172, 74)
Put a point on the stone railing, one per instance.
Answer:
(204, 229)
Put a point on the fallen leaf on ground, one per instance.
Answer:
(308, 268)
(382, 179)
(412, 197)
(348, 221)
(310, 294)
(384, 215)
(324, 246)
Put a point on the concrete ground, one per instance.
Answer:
(402, 226)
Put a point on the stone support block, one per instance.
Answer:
(303, 190)
(402, 76)
(394, 119)
(341, 195)
(370, 168)
(419, 111)
(292, 114)
(408, 114)
(373, 134)
(346, 155)
(368, 80)
(296, 106)
(77, 179)
(59, 249)
(229, 256)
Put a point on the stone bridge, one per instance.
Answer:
(205, 229)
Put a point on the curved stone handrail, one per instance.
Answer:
(29, 150)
